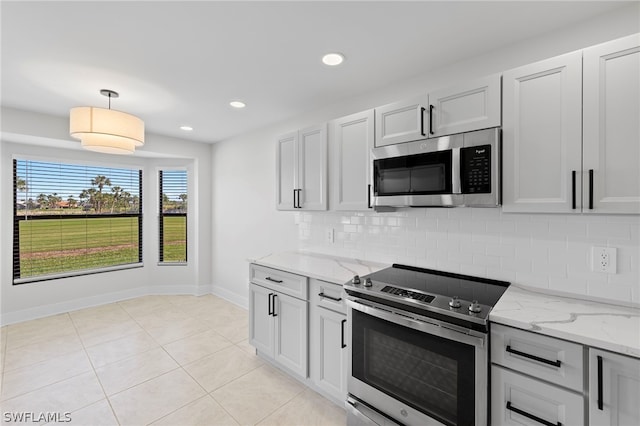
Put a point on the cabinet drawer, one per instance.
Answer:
(328, 295)
(543, 357)
(285, 282)
(521, 400)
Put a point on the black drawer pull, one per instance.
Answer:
(600, 402)
(555, 363)
(530, 416)
(342, 344)
(273, 280)
(337, 299)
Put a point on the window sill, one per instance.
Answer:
(173, 264)
(80, 273)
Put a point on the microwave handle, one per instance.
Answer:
(456, 186)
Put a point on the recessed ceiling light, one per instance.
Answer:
(333, 59)
(237, 104)
(186, 128)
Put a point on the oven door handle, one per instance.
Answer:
(433, 327)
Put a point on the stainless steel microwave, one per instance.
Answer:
(450, 171)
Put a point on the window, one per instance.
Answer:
(71, 219)
(173, 216)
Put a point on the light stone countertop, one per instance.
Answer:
(337, 270)
(601, 325)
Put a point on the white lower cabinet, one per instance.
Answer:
(278, 324)
(328, 340)
(614, 389)
(520, 400)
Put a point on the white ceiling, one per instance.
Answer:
(180, 63)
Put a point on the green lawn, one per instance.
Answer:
(61, 245)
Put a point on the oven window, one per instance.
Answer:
(431, 374)
(421, 174)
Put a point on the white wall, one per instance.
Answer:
(526, 249)
(31, 135)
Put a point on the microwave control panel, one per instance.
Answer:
(475, 169)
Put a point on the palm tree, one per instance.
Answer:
(117, 195)
(100, 181)
(183, 198)
(72, 202)
(42, 200)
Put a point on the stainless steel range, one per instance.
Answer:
(419, 347)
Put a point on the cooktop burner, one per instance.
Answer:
(427, 292)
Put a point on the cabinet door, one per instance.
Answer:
(472, 106)
(351, 142)
(542, 136)
(290, 349)
(260, 321)
(520, 400)
(614, 389)
(401, 122)
(286, 170)
(611, 137)
(312, 172)
(329, 368)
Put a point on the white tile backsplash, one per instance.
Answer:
(543, 251)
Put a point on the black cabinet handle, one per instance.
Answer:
(573, 189)
(590, 189)
(274, 305)
(343, 345)
(270, 308)
(273, 280)
(555, 363)
(600, 402)
(337, 299)
(294, 199)
(369, 196)
(530, 416)
(431, 108)
(422, 110)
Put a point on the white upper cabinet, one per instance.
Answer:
(351, 141)
(611, 136)
(473, 105)
(541, 135)
(401, 122)
(301, 170)
(571, 132)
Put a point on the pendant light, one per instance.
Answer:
(106, 130)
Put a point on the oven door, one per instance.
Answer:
(416, 371)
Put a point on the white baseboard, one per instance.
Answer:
(88, 302)
(235, 298)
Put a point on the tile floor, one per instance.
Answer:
(161, 360)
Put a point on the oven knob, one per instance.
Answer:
(356, 279)
(367, 282)
(455, 302)
(475, 307)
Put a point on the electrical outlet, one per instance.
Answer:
(329, 235)
(603, 259)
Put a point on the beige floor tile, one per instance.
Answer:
(152, 400)
(171, 330)
(246, 346)
(257, 394)
(99, 314)
(217, 369)
(236, 331)
(41, 351)
(134, 370)
(29, 378)
(204, 411)
(194, 347)
(119, 349)
(144, 305)
(66, 396)
(38, 331)
(97, 414)
(107, 333)
(307, 409)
